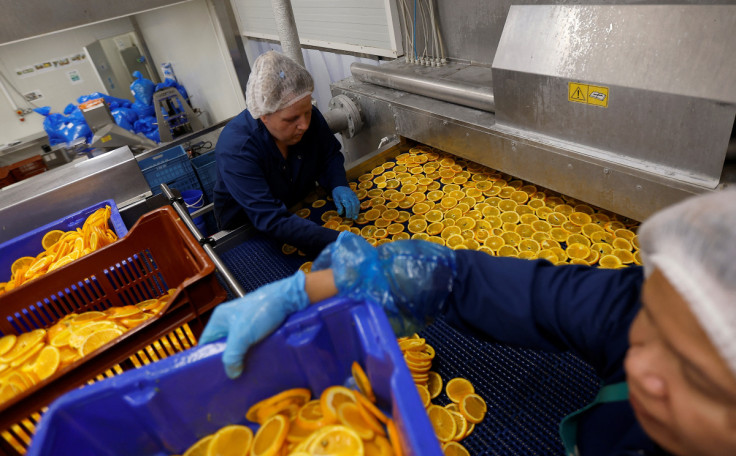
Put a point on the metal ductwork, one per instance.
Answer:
(286, 26)
(410, 79)
(344, 116)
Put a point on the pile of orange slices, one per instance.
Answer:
(61, 248)
(455, 421)
(34, 356)
(430, 195)
(341, 422)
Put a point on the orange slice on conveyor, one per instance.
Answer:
(442, 422)
(434, 384)
(621, 243)
(473, 408)
(457, 388)
(610, 262)
(454, 449)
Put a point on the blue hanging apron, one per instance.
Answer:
(569, 425)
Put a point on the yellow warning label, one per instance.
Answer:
(588, 94)
(106, 138)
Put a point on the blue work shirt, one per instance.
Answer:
(256, 183)
(534, 304)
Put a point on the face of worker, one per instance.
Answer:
(288, 125)
(681, 390)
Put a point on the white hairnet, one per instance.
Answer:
(276, 82)
(693, 243)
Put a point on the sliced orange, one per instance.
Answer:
(333, 397)
(473, 408)
(394, 438)
(349, 414)
(371, 408)
(6, 343)
(424, 395)
(285, 400)
(310, 416)
(442, 422)
(21, 263)
(80, 333)
(28, 355)
(457, 388)
(461, 424)
(434, 384)
(47, 363)
(379, 446)
(610, 262)
(98, 339)
(361, 379)
(334, 440)
(8, 391)
(132, 322)
(270, 436)
(233, 440)
(124, 312)
(297, 432)
(24, 342)
(200, 447)
(454, 449)
(85, 317)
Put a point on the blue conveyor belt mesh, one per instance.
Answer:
(259, 261)
(528, 392)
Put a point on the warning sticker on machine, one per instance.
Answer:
(588, 94)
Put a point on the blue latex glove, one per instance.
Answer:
(410, 279)
(247, 320)
(347, 202)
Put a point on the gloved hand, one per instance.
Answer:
(346, 201)
(411, 280)
(247, 320)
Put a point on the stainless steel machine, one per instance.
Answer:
(628, 107)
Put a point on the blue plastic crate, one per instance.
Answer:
(171, 167)
(29, 244)
(206, 170)
(163, 408)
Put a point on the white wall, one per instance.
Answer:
(57, 88)
(324, 66)
(188, 36)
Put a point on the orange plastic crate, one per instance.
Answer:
(157, 254)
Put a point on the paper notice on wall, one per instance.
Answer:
(74, 76)
(25, 72)
(33, 95)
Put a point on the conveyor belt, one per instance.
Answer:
(528, 392)
(259, 261)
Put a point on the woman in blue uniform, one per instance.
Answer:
(662, 337)
(270, 156)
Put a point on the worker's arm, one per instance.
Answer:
(538, 305)
(247, 320)
(248, 185)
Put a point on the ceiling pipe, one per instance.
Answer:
(461, 93)
(286, 26)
